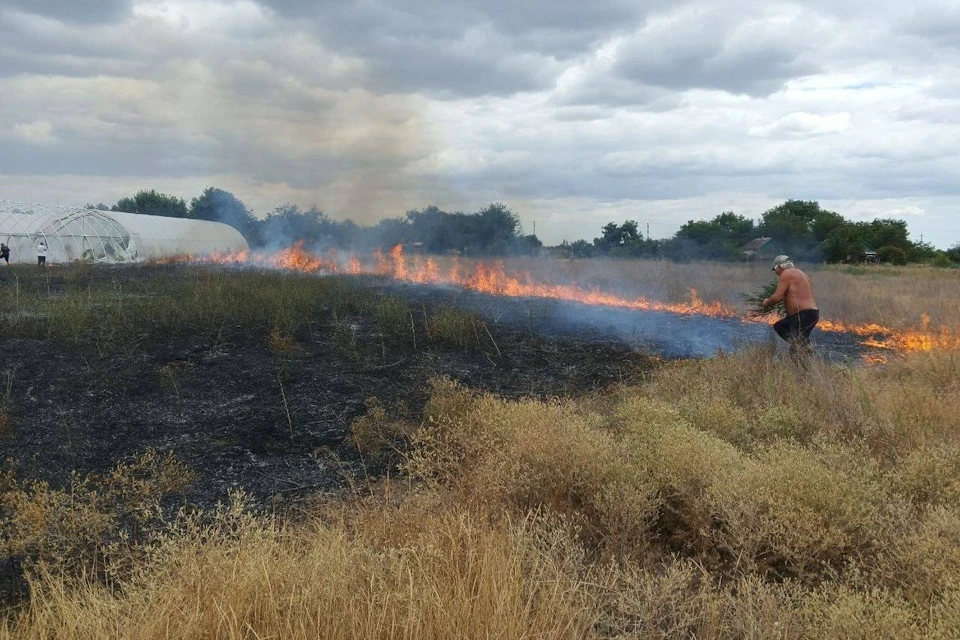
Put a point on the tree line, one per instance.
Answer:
(802, 229)
(493, 230)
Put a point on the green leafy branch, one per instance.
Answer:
(755, 300)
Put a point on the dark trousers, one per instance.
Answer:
(796, 329)
(41, 260)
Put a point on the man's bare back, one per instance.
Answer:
(796, 291)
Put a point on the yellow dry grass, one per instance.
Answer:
(737, 497)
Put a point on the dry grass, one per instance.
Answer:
(894, 296)
(737, 497)
(451, 576)
(732, 498)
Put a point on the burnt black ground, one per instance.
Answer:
(77, 409)
(74, 408)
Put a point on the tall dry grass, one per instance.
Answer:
(897, 297)
(732, 498)
(449, 575)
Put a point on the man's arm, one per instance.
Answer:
(777, 296)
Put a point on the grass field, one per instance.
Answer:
(736, 497)
(897, 297)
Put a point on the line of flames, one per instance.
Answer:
(491, 278)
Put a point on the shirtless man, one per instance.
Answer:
(802, 313)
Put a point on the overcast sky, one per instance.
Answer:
(572, 113)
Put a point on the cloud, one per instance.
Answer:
(86, 12)
(39, 132)
(696, 46)
(801, 124)
(370, 107)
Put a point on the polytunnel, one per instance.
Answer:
(92, 235)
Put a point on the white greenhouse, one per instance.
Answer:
(92, 235)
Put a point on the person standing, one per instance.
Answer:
(796, 291)
(42, 253)
(4, 252)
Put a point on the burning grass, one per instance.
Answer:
(886, 317)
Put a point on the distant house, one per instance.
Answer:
(759, 248)
(866, 254)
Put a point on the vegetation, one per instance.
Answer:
(705, 502)
(802, 229)
(754, 301)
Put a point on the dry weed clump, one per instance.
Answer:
(378, 430)
(930, 476)
(794, 512)
(532, 455)
(72, 529)
(922, 561)
(243, 577)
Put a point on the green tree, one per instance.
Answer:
(621, 240)
(800, 226)
(717, 239)
(496, 228)
(218, 205)
(580, 248)
(287, 225)
(844, 243)
(153, 204)
(893, 255)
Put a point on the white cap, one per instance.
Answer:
(781, 260)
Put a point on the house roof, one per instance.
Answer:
(756, 244)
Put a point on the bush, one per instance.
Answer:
(941, 261)
(893, 255)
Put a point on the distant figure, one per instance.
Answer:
(5, 252)
(42, 253)
(802, 312)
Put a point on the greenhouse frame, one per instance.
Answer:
(91, 235)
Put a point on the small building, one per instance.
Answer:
(759, 248)
(863, 253)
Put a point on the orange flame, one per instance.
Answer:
(492, 278)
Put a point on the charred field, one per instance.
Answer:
(103, 363)
(254, 378)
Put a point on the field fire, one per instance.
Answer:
(873, 342)
(137, 400)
